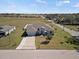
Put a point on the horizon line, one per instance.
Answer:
(37, 13)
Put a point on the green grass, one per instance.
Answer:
(57, 42)
(13, 40)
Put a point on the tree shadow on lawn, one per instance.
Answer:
(45, 42)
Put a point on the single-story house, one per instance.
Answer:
(38, 29)
(6, 29)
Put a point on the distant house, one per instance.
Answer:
(70, 21)
(76, 36)
(38, 29)
(6, 29)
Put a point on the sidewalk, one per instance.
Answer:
(71, 32)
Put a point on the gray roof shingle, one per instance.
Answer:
(5, 28)
(34, 27)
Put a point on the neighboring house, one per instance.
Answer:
(6, 29)
(38, 29)
(70, 21)
(76, 21)
(76, 36)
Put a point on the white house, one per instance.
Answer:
(33, 29)
(76, 35)
(6, 29)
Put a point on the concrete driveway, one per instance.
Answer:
(27, 43)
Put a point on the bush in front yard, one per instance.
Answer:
(72, 41)
(49, 36)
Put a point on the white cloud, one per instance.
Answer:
(62, 2)
(76, 5)
(41, 1)
(66, 1)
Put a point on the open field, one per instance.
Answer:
(13, 40)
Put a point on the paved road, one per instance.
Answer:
(71, 32)
(39, 54)
(27, 43)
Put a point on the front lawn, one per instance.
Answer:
(58, 41)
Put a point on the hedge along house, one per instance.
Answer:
(6, 29)
(38, 29)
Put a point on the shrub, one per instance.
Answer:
(65, 36)
(72, 41)
(49, 37)
(67, 42)
(61, 42)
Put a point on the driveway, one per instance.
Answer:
(27, 43)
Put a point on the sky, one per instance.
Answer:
(39, 6)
